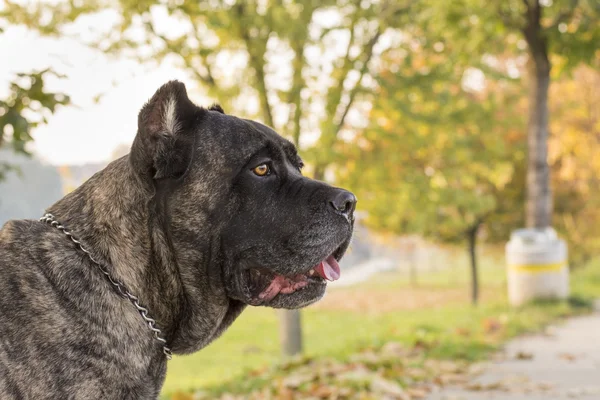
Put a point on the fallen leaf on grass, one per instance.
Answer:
(344, 393)
(258, 372)
(417, 393)
(544, 386)
(389, 388)
(421, 344)
(568, 356)
(476, 369)
(450, 379)
(360, 374)
(491, 325)
(294, 381)
(480, 387)
(323, 392)
(415, 373)
(396, 349)
(229, 397)
(368, 357)
(285, 393)
(463, 332)
(374, 374)
(522, 355)
(445, 366)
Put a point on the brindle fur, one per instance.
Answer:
(175, 220)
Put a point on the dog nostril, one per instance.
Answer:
(348, 207)
(344, 202)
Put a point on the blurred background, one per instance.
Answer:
(454, 122)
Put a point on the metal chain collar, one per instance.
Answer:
(49, 219)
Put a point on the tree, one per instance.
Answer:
(569, 28)
(573, 147)
(441, 156)
(563, 32)
(28, 105)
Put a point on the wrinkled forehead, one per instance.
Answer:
(273, 139)
(234, 140)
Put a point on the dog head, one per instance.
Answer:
(235, 189)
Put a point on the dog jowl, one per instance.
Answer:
(208, 213)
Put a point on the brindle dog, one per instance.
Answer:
(209, 213)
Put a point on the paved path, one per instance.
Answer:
(562, 364)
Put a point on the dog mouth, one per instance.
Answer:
(264, 285)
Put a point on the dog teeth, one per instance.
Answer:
(311, 272)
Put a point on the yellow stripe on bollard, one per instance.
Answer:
(537, 268)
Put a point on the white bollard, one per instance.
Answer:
(537, 266)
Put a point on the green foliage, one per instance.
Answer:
(457, 154)
(575, 129)
(437, 146)
(28, 105)
(46, 17)
(551, 35)
(570, 28)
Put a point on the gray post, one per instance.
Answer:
(290, 332)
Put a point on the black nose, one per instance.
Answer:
(344, 202)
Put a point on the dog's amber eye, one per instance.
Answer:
(262, 170)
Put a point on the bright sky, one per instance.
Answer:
(85, 131)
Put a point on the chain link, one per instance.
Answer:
(123, 292)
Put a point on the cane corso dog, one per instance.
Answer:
(160, 252)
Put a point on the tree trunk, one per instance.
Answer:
(539, 196)
(412, 266)
(472, 237)
(290, 332)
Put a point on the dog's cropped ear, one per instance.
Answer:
(164, 144)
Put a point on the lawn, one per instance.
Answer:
(435, 316)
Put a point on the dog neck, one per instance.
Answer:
(120, 219)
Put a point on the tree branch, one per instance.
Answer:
(295, 97)
(257, 63)
(507, 19)
(368, 52)
(174, 48)
(334, 93)
(534, 35)
(298, 83)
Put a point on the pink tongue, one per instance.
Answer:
(329, 269)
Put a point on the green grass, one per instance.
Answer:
(453, 331)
